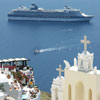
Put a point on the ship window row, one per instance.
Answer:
(47, 14)
(44, 14)
(38, 16)
(40, 13)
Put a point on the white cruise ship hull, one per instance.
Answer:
(50, 19)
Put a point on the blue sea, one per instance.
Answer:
(56, 40)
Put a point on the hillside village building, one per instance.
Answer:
(17, 80)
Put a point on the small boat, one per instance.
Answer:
(36, 51)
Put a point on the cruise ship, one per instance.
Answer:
(34, 13)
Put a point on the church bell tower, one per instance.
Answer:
(85, 59)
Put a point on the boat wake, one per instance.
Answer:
(70, 48)
(52, 49)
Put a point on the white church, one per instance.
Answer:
(81, 81)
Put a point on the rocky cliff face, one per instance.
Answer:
(45, 96)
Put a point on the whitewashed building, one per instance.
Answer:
(8, 86)
(81, 81)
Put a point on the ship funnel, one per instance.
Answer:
(33, 7)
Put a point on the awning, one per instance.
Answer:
(11, 60)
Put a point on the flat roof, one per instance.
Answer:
(3, 78)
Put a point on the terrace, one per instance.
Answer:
(21, 74)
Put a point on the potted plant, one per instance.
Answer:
(8, 76)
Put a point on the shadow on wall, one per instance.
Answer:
(13, 93)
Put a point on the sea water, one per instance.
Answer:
(57, 41)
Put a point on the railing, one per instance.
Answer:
(9, 67)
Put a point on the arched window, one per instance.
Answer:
(90, 94)
(56, 94)
(79, 91)
(69, 92)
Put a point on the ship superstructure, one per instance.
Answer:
(40, 14)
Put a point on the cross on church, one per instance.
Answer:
(85, 42)
(60, 70)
